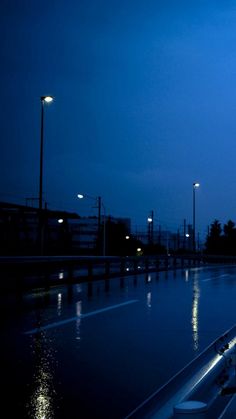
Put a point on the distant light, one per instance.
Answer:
(139, 249)
(196, 185)
(60, 221)
(127, 237)
(149, 219)
(47, 99)
(187, 235)
(80, 196)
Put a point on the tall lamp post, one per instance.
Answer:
(195, 186)
(150, 227)
(44, 99)
(99, 206)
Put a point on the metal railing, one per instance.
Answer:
(28, 272)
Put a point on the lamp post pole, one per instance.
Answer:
(104, 231)
(150, 228)
(99, 200)
(195, 186)
(44, 99)
(101, 237)
(41, 158)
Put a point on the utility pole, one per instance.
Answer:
(99, 199)
(184, 234)
(150, 228)
(195, 186)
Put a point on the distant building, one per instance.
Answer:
(63, 232)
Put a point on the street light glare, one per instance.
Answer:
(47, 99)
(196, 185)
(149, 219)
(80, 196)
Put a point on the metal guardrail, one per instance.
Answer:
(28, 272)
(208, 382)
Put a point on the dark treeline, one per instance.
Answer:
(118, 244)
(221, 240)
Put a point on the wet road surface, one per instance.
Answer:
(99, 349)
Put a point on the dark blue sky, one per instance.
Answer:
(145, 104)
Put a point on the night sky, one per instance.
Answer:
(145, 105)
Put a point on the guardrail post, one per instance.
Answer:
(135, 266)
(18, 282)
(122, 266)
(90, 289)
(107, 268)
(70, 274)
(46, 278)
(90, 269)
(166, 262)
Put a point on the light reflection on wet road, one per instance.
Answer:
(99, 349)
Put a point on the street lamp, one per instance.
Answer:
(47, 100)
(150, 227)
(99, 206)
(44, 99)
(195, 186)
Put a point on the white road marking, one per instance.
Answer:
(214, 277)
(81, 316)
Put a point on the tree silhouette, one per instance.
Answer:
(230, 238)
(218, 243)
(214, 239)
(229, 229)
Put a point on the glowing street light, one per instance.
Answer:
(196, 185)
(47, 99)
